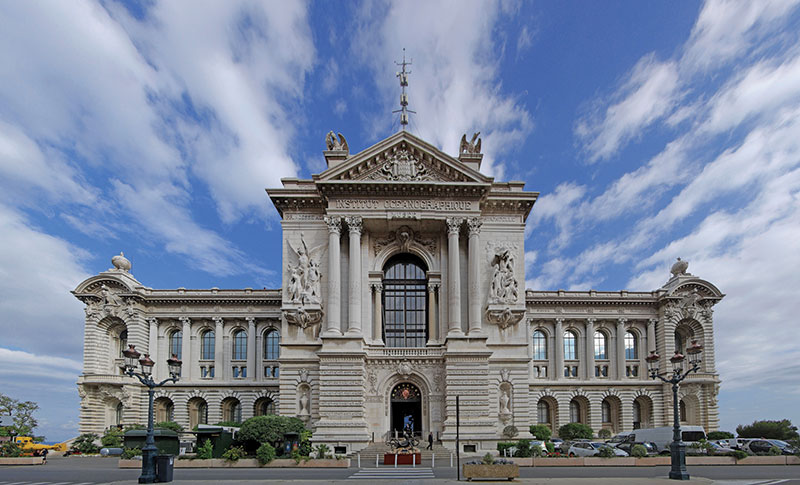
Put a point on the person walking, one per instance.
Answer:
(430, 441)
(44, 456)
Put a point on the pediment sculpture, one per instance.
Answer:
(471, 147)
(402, 166)
(335, 145)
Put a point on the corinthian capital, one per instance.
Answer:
(185, 320)
(474, 225)
(217, 320)
(354, 224)
(454, 225)
(334, 224)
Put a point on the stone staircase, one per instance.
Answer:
(369, 453)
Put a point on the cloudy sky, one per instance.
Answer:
(652, 130)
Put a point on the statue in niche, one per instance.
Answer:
(504, 400)
(305, 276)
(333, 144)
(473, 146)
(304, 402)
(504, 288)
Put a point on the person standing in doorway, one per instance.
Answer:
(430, 441)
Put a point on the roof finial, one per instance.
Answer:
(403, 75)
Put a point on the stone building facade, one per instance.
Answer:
(403, 287)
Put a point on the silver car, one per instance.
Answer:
(589, 448)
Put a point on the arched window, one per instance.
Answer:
(637, 414)
(682, 411)
(240, 345)
(232, 410)
(606, 407)
(574, 411)
(198, 412)
(543, 412)
(678, 342)
(265, 406)
(118, 414)
(164, 410)
(539, 345)
(631, 346)
(600, 346)
(405, 302)
(175, 343)
(272, 343)
(570, 350)
(207, 345)
(123, 342)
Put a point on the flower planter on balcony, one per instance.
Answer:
(508, 472)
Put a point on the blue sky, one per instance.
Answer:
(652, 130)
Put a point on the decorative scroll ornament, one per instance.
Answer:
(472, 147)
(402, 167)
(335, 145)
(302, 317)
(504, 316)
(404, 237)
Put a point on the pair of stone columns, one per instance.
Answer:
(454, 275)
(333, 323)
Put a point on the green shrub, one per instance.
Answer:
(129, 453)
(510, 431)
(10, 449)
(229, 424)
(112, 438)
(265, 453)
(550, 446)
(738, 454)
(488, 459)
(638, 451)
(502, 446)
(523, 449)
(304, 447)
(574, 431)
(774, 451)
(234, 453)
(129, 427)
(720, 435)
(84, 444)
(269, 429)
(541, 432)
(606, 452)
(170, 425)
(322, 450)
(205, 451)
(604, 433)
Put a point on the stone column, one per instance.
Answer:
(251, 348)
(354, 225)
(219, 355)
(433, 309)
(621, 348)
(186, 352)
(590, 348)
(333, 325)
(558, 372)
(454, 276)
(474, 226)
(651, 336)
(152, 347)
(377, 313)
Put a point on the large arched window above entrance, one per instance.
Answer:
(405, 302)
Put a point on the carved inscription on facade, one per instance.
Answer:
(404, 204)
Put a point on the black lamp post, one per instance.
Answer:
(146, 378)
(678, 447)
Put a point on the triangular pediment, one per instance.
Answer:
(402, 157)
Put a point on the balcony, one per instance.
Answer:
(400, 352)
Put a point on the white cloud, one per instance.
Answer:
(650, 93)
(454, 85)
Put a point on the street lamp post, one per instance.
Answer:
(146, 378)
(678, 447)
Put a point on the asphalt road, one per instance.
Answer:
(93, 470)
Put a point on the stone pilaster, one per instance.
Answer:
(453, 276)
(474, 226)
(620, 345)
(590, 348)
(377, 313)
(251, 349)
(354, 226)
(333, 323)
(433, 310)
(187, 371)
(219, 350)
(152, 347)
(558, 335)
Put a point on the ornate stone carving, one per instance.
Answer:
(335, 145)
(404, 369)
(471, 147)
(679, 268)
(303, 375)
(504, 375)
(121, 263)
(305, 276)
(504, 400)
(689, 306)
(334, 224)
(354, 224)
(504, 287)
(454, 224)
(504, 316)
(402, 166)
(474, 225)
(303, 317)
(404, 237)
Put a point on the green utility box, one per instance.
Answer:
(166, 440)
(221, 440)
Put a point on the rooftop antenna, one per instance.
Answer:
(403, 76)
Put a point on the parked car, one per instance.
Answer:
(662, 437)
(762, 446)
(588, 448)
(622, 437)
(651, 447)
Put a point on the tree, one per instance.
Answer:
(776, 430)
(540, 432)
(22, 414)
(268, 429)
(720, 435)
(574, 431)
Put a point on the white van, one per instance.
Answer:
(662, 437)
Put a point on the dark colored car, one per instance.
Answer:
(649, 446)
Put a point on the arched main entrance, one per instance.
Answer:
(406, 408)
